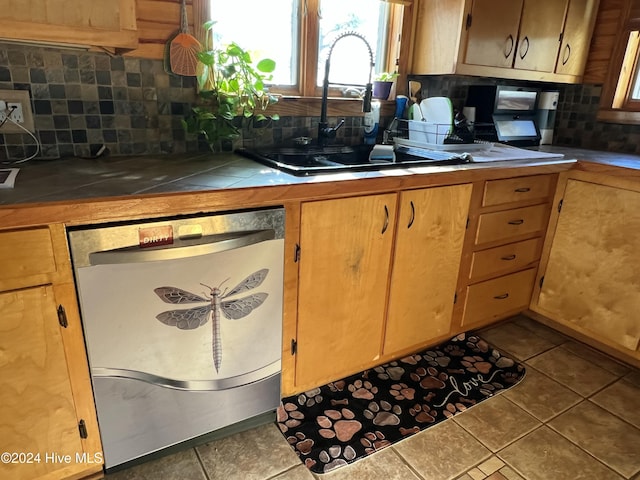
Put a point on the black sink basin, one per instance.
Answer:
(312, 160)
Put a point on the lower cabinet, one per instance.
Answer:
(374, 283)
(499, 297)
(428, 249)
(508, 220)
(345, 252)
(591, 279)
(48, 426)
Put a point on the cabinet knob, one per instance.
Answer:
(520, 221)
(501, 297)
(508, 258)
(522, 190)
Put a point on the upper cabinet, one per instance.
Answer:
(544, 40)
(108, 24)
(576, 37)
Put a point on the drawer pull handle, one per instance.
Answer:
(522, 190)
(508, 257)
(516, 222)
(501, 297)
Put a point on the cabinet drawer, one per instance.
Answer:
(26, 252)
(536, 187)
(502, 226)
(513, 256)
(495, 298)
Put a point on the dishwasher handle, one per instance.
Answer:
(182, 248)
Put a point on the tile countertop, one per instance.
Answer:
(75, 178)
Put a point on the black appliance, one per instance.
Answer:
(505, 114)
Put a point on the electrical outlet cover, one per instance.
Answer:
(21, 97)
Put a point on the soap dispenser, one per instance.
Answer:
(371, 121)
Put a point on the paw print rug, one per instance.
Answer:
(348, 419)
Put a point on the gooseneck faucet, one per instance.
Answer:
(326, 132)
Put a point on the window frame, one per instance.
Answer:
(616, 106)
(308, 30)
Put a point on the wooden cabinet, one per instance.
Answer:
(47, 418)
(518, 39)
(428, 248)
(98, 23)
(358, 257)
(520, 34)
(343, 278)
(507, 224)
(576, 37)
(590, 278)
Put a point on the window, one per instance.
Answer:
(620, 101)
(297, 34)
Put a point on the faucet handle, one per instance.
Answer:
(330, 132)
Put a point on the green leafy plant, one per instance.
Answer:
(386, 76)
(231, 87)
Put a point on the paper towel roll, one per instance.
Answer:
(469, 113)
(548, 101)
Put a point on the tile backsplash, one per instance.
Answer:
(82, 100)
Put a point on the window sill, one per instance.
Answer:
(336, 107)
(619, 116)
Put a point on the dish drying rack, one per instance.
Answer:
(430, 136)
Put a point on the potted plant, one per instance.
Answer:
(231, 89)
(382, 84)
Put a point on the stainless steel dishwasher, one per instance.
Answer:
(183, 326)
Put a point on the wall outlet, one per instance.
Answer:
(22, 114)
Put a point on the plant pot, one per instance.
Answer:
(381, 90)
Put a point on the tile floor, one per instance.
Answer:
(576, 415)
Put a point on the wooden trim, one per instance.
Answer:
(290, 297)
(615, 89)
(618, 116)
(584, 336)
(63, 34)
(310, 31)
(133, 207)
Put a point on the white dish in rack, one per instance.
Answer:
(449, 147)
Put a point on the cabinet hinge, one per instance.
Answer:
(296, 253)
(294, 346)
(467, 225)
(455, 297)
(82, 428)
(468, 24)
(62, 317)
(560, 205)
(541, 281)
(561, 37)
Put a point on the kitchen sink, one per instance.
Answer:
(313, 159)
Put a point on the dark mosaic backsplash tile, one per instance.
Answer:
(82, 100)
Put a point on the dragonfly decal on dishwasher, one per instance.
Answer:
(195, 317)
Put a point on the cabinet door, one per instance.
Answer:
(343, 277)
(102, 23)
(592, 279)
(576, 37)
(539, 37)
(38, 411)
(430, 235)
(493, 32)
